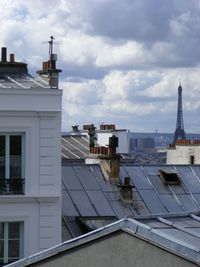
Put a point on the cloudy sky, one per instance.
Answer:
(121, 60)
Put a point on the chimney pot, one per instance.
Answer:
(12, 58)
(4, 54)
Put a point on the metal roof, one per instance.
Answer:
(179, 236)
(21, 81)
(75, 146)
(87, 193)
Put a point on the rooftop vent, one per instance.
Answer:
(169, 177)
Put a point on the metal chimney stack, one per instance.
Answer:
(4, 54)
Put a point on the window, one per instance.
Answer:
(169, 177)
(192, 160)
(11, 241)
(11, 164)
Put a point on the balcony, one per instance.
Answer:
(12, 186)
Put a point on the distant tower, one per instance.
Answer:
(179, 132)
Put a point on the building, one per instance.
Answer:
(184, 152)
(116, 212)
(30, 171)
(127, 242)
(146, 144)
(76, 144)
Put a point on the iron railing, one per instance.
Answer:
(12, 186)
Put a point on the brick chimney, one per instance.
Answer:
(107, 158)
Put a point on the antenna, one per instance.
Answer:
(51, 43)
(179, 81)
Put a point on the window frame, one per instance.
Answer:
(7, 152)
(6, 239)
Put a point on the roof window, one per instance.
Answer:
(169, 177)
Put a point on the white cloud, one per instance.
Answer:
(133, 56)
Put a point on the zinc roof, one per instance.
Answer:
(178, 236)
(20, 81)
(86, 192)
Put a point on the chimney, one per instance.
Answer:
(110, 166)
(126, 191)
(49, 73)
(92, 135)
(4, 54)
(12, 58)
(106, 157)
(75, 128)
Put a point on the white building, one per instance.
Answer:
(108, 130)
(30, 169)
(184, 152)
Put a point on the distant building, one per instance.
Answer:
(145, 144)
(30, 171)
(184, 152)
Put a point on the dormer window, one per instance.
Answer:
(11, 164)
(169, 177)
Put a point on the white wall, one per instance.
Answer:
(181, 154)
(37, 114)
(124, 139)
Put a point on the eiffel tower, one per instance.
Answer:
(179, 132)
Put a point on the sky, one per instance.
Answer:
(121, 60)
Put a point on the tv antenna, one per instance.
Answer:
(51, 43)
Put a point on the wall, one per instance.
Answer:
(117, 250)
(37, 114)
(181, 154)
(124, 139)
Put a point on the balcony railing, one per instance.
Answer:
(12, 186)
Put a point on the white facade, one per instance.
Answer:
(184, 154)
(123, 141)
(35, 114)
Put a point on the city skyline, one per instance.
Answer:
(121, 61)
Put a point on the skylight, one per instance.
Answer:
(169, 177)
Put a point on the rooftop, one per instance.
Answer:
(180, 236)
(15, 74)
(86, 193)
